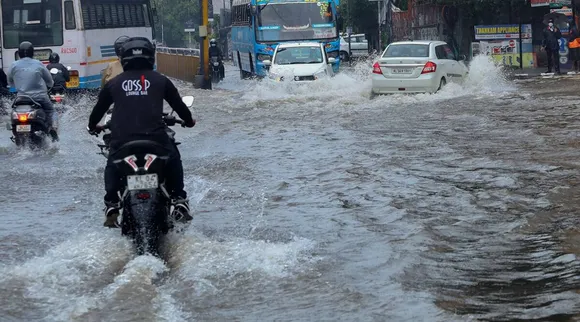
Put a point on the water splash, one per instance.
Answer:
(208, 263)
(487, 76)
(353, 84)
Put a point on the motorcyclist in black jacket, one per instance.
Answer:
(61, 77)
(215, 51)
(138, 95)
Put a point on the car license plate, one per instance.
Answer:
(73, 83)
(402, 70)
(142, 182)
(23, 128)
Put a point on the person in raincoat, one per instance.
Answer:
(550, 44)
(115, 68)
(574, 45)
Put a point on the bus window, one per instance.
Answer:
(146, 15)
(69, 16)
(37, 21)
(115, 15)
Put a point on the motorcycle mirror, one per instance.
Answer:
(54, 71)
(188, 100)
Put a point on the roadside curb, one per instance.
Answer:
(520, 76)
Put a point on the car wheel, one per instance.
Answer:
(343, 56)
(442, 84)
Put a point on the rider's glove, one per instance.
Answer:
(188, 124)
(94, 131)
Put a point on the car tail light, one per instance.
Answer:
(377, 68)
(74, 73)
(430, 67)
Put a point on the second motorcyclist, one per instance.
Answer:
(32, 79)
(215, 51)
(61, 77)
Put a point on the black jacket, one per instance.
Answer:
(3, 79)
(61, 78)
(551, 38)
(138, 113)
(215, 51)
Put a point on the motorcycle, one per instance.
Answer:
(146, 203)
(56, 96)
(215, 66)
(28, 123)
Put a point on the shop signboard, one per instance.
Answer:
(564, 51)
(486, 32)
(502, 44)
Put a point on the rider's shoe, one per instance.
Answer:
(111, 215)
(179, 210)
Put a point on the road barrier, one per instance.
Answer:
(179, 63)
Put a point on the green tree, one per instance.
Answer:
(360, 14)
(172, 15)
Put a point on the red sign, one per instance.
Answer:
(68, 50)
(512, 43)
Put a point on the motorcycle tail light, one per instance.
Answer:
(143, 195)
(22, 117)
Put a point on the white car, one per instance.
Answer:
(417, 67)
(300, 61)
(359, 47)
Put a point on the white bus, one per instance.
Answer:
(82, 32)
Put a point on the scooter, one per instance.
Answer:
(57, 96)
(215, 66)
(28, 123)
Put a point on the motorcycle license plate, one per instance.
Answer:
(216, 64)
(23, 128)
(142, 182)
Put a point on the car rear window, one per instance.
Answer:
(407, 50)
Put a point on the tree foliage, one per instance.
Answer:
(360, 14)
(173, 14)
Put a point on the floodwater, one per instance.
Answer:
(314, 202)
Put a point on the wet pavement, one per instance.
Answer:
(314, 202)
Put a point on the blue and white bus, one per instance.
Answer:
(82, 32)
(259, 25)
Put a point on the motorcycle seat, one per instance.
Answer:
(140, 147)
(25, 100)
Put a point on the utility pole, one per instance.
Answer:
(520, 49)
(202, 81)
(379, 24)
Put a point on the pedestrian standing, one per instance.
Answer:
(550, 44)
(574, 45)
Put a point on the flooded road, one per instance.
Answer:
(317, 203)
